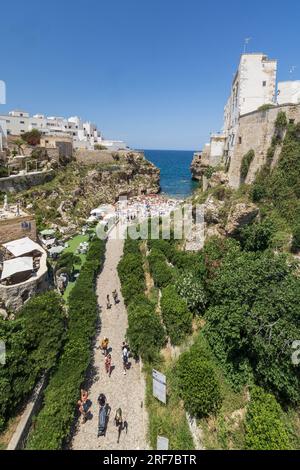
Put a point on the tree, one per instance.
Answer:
(33, 342)
(254, 319)
(265, 429)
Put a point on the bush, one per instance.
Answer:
(296, 240)
(131, 272)
(198, 385)
(257, 236)
(33, 342)
(192, 290)
(145, 332)
(32, 137)
(3, 171)
(246, 162)
(177, 318)
(265, 429)
(53, 423)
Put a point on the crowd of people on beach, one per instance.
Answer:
(142, 207)
(84, 403)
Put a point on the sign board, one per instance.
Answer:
(162, 443)
(159, 386)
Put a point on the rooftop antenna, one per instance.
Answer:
(246, 42)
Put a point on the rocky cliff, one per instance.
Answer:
(199, 165)
(67, 200)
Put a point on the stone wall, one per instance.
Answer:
(255, 132)
(89, 157)
(17, 183)
(17, 227)
(13, 297)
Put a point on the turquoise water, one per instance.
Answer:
(175, 175)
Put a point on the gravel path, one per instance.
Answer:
(124, 391)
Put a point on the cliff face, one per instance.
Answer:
(199, 164)
(67, 200)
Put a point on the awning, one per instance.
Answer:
(16, 265)
(22, 246)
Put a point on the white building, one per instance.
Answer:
(254, 85)
(85, 135)
(288, 92)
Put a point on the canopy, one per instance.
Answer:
(49, 242)
(56, 250)
(22, 246)
(47, 232)
(16, 265)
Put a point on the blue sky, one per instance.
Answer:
(155, 73)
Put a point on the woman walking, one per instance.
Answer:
(107, 364)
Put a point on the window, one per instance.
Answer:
(22, 122)
(264, 83)
(240, 140)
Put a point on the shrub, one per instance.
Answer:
(257, 236)
(53, 423)
(33, 342)
(145, 332)
(131, 272)
(246, 162)
(296, 240)
(32, 137)
(265, 429)
(198, 385)
(192, 290)
(3, 171)
(177, 318)
(281, 121)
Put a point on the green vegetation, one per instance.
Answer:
(176, 315)
(32, 137)
(53, 423)
(3, 171)
(265, 429)
(145, 332)
(246, 162)
(266, 107)
(33, 342)
(198, 384)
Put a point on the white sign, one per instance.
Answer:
(159, 386)
(162, 443)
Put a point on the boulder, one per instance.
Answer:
(241, 214)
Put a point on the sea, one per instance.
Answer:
(175, 175)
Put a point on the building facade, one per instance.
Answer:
(253, 86)
(85, 135)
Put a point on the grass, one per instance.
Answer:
(167, 420)
(73, 245)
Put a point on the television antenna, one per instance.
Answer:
(246, 42)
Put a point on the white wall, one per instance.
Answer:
(288, 92)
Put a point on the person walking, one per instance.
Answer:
(108, 304)
(125, 359)
(115, 297)
(83, 405)
(107, 364)
(120, 423)
(104, 346)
